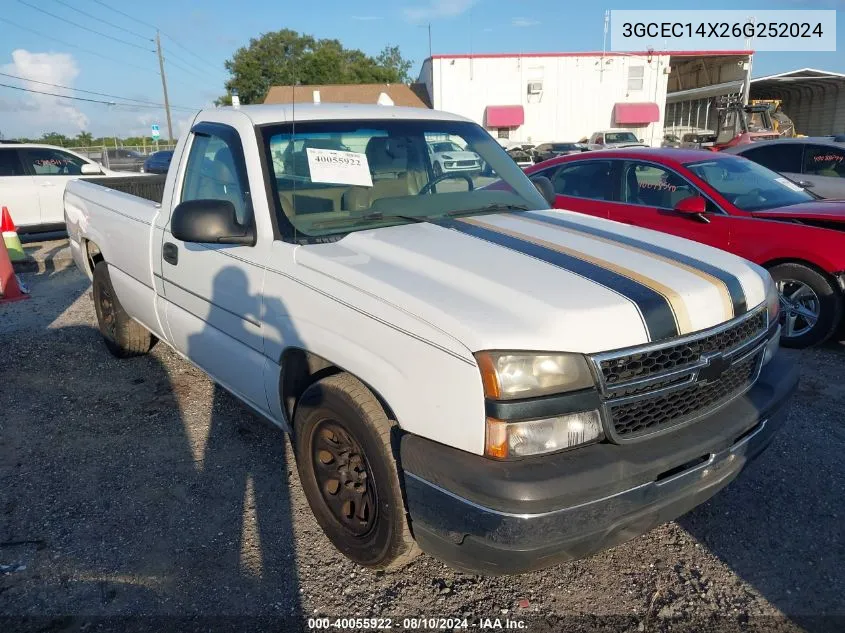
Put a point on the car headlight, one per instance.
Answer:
(513, 375)
(772, 298)
(509, 375)
(505, 440)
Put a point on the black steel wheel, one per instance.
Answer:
(344, 455)
(123, 335)
(344, 478)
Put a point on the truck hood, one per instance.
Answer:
(824, 210)
(540, 280)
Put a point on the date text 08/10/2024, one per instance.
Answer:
(414, 624)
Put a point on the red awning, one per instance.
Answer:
(636, 112)
(504, 116)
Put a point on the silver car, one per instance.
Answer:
(817, 163)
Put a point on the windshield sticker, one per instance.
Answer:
(788, 184)
(338, 167)
(829, 158)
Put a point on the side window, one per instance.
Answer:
(10, 163)
(653, 186)
(590, 179)
(782, 157)
(824, 160)
(212, 173)
(53, 162)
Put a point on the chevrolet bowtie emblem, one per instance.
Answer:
(713, 370)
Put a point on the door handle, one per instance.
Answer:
(48, 184)
(170, 253)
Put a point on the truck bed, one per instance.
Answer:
(149, 187)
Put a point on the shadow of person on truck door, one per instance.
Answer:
(244, 461)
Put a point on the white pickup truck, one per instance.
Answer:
(461, 369)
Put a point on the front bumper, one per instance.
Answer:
(493, 517)
(473, 167)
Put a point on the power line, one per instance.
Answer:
(111, 24)
(187, 50)
(53, 94)
(153, 26)
(81, 26)
(169, 54)
(91, 92)
(126, 15)
(85, 50)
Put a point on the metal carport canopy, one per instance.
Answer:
(813, 99)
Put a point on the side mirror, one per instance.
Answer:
(546, 189)
(694, 205)
(641, 140)
(88, 169)
(209, 222)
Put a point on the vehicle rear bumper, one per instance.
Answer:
(511, 517)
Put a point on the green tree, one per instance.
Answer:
(287, 57)
(391, 58)
(54, 138)
(84, 139)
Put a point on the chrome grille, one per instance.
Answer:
(657, 361)
(642, 416)
(656, 387)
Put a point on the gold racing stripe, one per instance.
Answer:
(675, 300)
(724, 294)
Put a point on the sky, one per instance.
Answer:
(199, 36)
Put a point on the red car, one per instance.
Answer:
(728, 202)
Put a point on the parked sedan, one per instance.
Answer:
(547, 151)
(725, 201)
(614, 139)
(158, 162)
(815, 163)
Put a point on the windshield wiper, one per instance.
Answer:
(490, 208)
(373, 216)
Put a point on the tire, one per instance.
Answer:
(438, 170)
(334, 407)
(828, 299)
(124, 337)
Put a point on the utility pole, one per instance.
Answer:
(164, 87)
(429, 39)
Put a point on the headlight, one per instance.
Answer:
(509, 375)
(772, 299)
(505, 440)
(772, 347)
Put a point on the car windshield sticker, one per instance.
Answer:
(337, 167)
(788, 184)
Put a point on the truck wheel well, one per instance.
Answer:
(93, 253)
(301, 369)
(802, 262)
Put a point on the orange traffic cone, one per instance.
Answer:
(10, 237)
(11, 289)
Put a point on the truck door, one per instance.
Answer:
(213, 292)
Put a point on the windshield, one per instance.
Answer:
(385, 175)
(620, 137)
(563, 147)
(445, 147)
(747, 185)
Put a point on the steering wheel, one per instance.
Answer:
(444, 176)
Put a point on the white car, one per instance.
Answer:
(447, 156)
(33, 179)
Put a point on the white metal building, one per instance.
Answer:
(542, 97)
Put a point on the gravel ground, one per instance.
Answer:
(138, 488)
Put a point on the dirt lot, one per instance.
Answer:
(138, 489)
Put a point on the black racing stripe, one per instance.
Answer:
(655, 308)
(732, 283)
